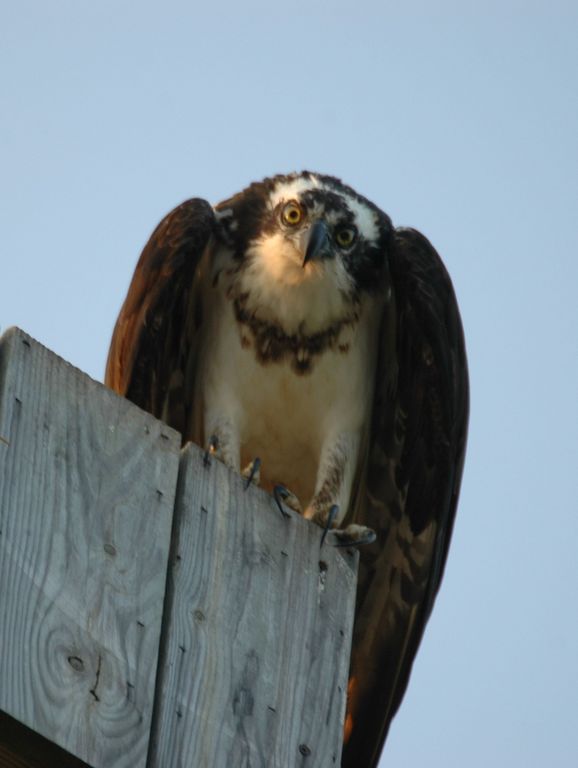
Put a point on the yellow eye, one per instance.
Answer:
(292, 214)
(345, 236)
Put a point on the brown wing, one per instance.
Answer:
(152, 353)
(412, 484)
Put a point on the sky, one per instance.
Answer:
(457, 118)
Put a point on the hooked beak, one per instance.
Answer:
(318, 245)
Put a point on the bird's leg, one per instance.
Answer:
(337, 465)
(329, 505)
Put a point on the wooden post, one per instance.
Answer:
(256, 620)
(258, 632)
(87, 485)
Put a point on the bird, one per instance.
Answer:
(298, 336)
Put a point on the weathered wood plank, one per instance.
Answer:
(255, 653)
(87, 485)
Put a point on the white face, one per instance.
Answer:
(280, 284)
(365, 218)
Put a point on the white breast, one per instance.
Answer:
(282, 416)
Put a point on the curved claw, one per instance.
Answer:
(255, 466)
(280, 493)
(212, 446)
(330, 518)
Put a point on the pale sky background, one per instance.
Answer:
(458, 118)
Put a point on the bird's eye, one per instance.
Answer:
(292, 214)
(345, 236)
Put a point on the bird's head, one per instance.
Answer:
(307, 243)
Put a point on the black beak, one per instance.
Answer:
(319, 245)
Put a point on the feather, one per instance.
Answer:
(152, 357)
(415, 463)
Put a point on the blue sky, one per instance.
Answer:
(459, 119)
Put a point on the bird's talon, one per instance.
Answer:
(280, 493)
(212, 447)
(283, 494)
(333, 511)
(252, 472)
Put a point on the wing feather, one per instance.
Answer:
(412, 484)
(152, 354)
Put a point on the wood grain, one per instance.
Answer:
(87, 485)
(255, 653)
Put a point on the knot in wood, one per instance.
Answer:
(76, 663)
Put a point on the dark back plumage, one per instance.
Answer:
(414, 471)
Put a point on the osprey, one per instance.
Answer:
(292, 328)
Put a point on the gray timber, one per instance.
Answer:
(87, 484)
(253, 626)
(256, 648)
